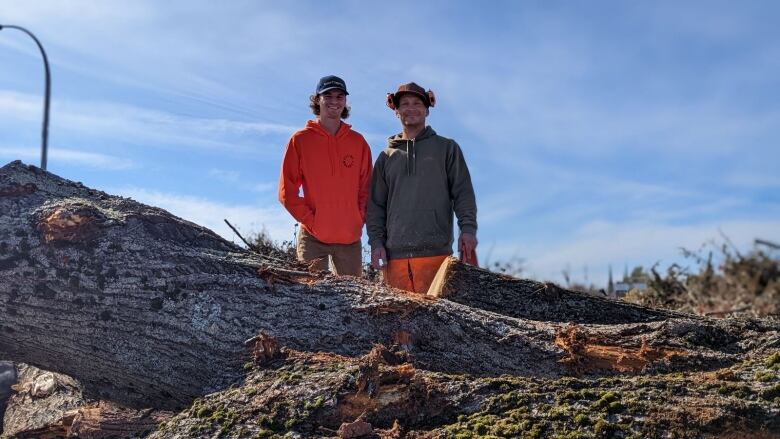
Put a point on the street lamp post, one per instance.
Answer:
(47, 98)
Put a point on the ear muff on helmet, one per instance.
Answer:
(429, 99)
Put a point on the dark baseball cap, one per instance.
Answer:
(331, 82)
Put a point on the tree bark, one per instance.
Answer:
(51, 405)
(527, 299)
(146, 309)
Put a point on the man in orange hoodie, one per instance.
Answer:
(332, 163)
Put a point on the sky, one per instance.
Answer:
(597, 133)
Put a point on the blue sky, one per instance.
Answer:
(596, 133)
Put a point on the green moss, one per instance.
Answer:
(602, 428)
(773, 361)
(249, 365)
(771, 393)
(481, 428)
(263, 434)
(506, 429)
(582, 419)
(289, 377)
(265, 421)
(633, 406)
(588, 394)
(217, 416)
(572, 435)
(568, 395)
(560, 412)
(737, 390)
(605, 401)
(290, 423)
(203, 412)
(536, 432)
(314, 405)
(765, 376)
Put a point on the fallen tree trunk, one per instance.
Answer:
(47, 405)
(147, 309)
(527, 299)
(316, 395)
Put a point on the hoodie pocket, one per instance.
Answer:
(416, 229)
(337, 225)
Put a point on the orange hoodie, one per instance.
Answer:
(335, 172)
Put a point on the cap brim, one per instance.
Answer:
(423, 97)
(333, 88)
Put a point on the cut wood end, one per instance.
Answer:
(66, 225)
(402, 338)
(437, 288)
(264, 349)
(355, 429)
(584, 353)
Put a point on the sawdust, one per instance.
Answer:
(584, 353)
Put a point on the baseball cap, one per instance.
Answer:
(331, 82)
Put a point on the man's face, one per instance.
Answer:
(411, 110)
(332, 103)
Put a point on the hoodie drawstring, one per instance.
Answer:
(411, 159)
(332, 155)
(408, 154)
(414, 158)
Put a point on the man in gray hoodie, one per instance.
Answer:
(419, 180)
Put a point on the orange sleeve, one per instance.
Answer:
(290, 182)
(365, 179)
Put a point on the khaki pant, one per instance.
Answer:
(346, 258)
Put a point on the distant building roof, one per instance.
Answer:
(621, 288)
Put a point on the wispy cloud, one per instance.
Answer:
(81, 158)
(196, 65)
(140, 126)
(597, 245)
(235, 179)
(211, 214)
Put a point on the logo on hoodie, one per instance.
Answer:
(348, 160)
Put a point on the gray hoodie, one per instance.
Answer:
(416, 186)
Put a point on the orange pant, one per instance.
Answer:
(413, 274)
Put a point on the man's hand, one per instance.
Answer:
(467, 244)
(378, 258)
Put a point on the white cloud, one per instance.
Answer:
(142, 126)
(187, 48)
(81, 158)
(235, 178)
(211, 214)
(597, 245)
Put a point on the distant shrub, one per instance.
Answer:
(747, 284)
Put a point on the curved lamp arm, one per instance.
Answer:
(47, 97)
